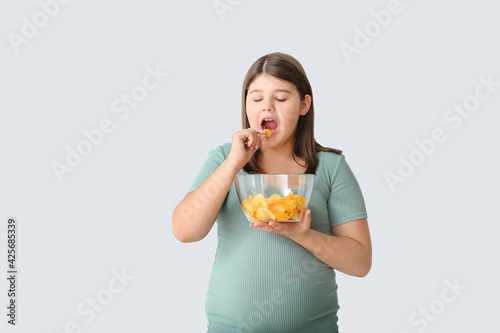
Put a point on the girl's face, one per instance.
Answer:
(275, 104)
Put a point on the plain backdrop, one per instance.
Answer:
(382, 85)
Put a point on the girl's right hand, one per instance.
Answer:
(244, 144)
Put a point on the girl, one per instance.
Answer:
(277, 277)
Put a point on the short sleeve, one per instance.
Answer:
(346, 202)
(213, 161)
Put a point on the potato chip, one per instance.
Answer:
(264, 214)
(274, 208)
(268, 132)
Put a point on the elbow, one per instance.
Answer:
(179, 230)
(362, 272)
(365, 264)
(364, 269)
(362, 266)
(183, 239)
(178, 234)
(181, 236)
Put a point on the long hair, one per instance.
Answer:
(286, 67)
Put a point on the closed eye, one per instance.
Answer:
(281, 100)
(257, 100)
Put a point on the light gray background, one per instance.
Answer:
(113, 212)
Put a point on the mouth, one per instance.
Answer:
(270, 124)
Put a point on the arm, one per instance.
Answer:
(195, 215)
(348, 249)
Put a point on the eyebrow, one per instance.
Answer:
(277, 90)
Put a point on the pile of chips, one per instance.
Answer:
(274, 208)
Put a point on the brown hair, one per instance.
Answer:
(286, 67)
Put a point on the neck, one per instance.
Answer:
(280, 160)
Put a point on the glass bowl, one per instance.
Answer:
(274, 197)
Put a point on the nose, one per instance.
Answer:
(268, 106)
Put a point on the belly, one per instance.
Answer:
(270, 284)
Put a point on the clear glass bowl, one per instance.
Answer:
(257, 194)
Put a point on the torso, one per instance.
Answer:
(265, 282)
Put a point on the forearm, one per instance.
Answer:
(195, 215)
(345, 254)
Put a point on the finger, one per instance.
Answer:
(260, 138)
(249, 139)
(260, 131)
(263, 226)
(251, 144)
(254, 142)
(260, 225)
(261, 135)
(307, 217)
(277, 225)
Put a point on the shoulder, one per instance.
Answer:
(220, 152)
(217, 155)
(329, 161)
(329, 157)
(329, 164)
(225, 148)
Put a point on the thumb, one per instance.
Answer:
(307, 217)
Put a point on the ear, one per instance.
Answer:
(306, 104)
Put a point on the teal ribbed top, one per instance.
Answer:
(265, 282)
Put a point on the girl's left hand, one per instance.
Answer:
(292, 230)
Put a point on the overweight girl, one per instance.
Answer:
(277, 276)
